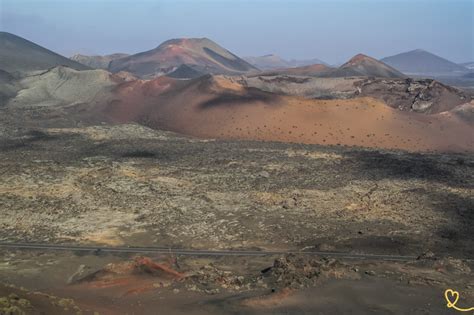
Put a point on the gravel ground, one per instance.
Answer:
(132, 185)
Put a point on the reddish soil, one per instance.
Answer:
(358, 59)
(218, 107)
(130, 278)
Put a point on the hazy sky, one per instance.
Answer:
(330, 30)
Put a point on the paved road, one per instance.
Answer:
(200, 252)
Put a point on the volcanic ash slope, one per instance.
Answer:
(220, 107)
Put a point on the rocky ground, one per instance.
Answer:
(108, 184)
(99, 283)
(413, 95)
(130, 185)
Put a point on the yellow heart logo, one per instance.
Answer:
(451, 297)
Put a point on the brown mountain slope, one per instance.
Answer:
(219, 107)
(365, 66)
(187, 72)
(419, 95)
(173, 53)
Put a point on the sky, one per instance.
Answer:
(331, 30)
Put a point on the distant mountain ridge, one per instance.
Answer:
(420, 61)
(315, 70)
(468, 65)
(97, 61)
(273, 62)
(268, 62)
(18, 55)
(364, 66)
(171, 54)
(307, 62)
